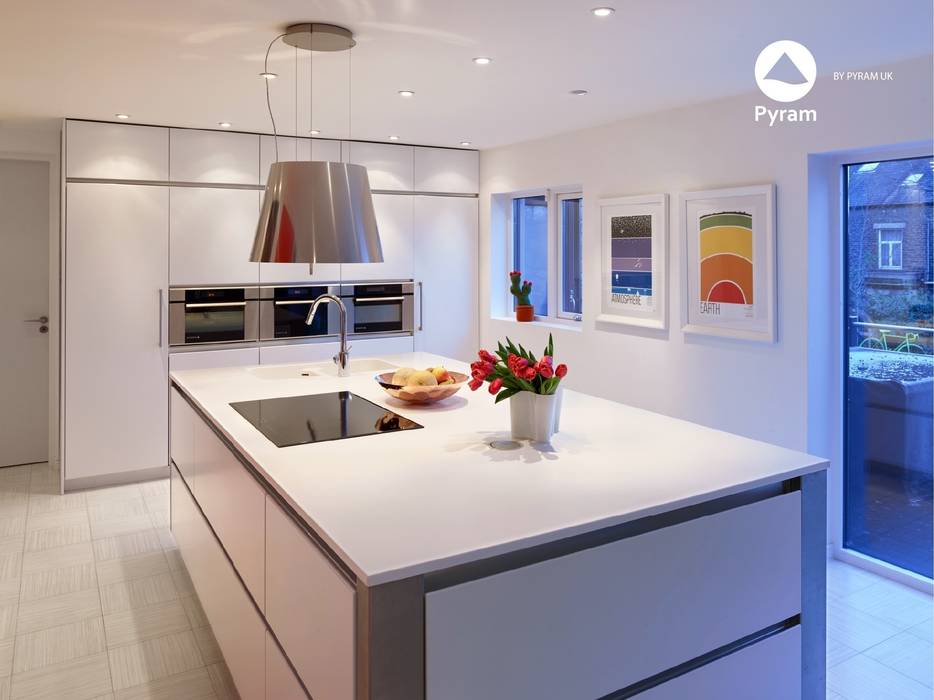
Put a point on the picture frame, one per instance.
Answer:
(728, 263)
(634, 261)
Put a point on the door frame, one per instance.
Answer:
(55, 196)
(826, 301)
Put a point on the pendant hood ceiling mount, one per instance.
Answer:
(316, 211)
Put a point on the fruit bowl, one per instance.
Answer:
(421, 394)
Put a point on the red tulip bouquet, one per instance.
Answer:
(513, 369)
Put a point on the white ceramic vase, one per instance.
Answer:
(535, 417)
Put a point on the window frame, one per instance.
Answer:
(890, 245)
(559, 198)
(553, 196)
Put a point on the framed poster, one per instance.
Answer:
(634, 285)
(728, 254)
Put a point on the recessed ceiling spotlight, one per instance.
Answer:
(465, 143)
(224, 125)
(393, 138)
(269, 76)
(122, 116)
(314, 132)
(578, 93)
(483, 60)
(603, 11)
(406, 93)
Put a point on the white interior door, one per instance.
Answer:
(24, 286)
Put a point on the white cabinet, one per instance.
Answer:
(767, 670)
(116, 151)
(210, 359)
(234, 503)
(297, 352)
(211, 233)
(281, 683)
(298, 273)
(182, 419)
(390, 167)
(394, 219)
(374, 347)
(445, 270)
(310, 608)
(213, 156)
(447, 170)
(116, 335)
(291, 149)
(237, 626)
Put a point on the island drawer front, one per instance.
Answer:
(235, 505)
(601, 619)
(310, 608)
(767, 670)
(237, 626)
(281, 683)
(182, 421)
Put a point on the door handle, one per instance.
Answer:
(421, 307)
(161, 304)
(42, 319)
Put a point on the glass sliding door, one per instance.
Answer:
(889, 362)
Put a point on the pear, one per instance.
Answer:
(441, 374)
(402, 375)
(421, 378)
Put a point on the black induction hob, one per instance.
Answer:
(298, 420)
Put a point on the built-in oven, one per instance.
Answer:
(384, 307)
(283, 311)
(213, 315)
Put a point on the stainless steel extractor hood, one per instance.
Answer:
(317, 212)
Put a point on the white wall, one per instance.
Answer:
(756, 390)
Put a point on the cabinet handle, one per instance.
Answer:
(421, 307)
(161, 305)
(218, 304)
(366, 299)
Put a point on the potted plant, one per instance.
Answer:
(521, 291)
(532, 385)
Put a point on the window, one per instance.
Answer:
(546, 244)
(890, 237)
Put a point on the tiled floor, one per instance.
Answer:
(95, 604)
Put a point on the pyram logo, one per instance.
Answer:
(785, 71)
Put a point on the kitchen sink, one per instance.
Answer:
(360, 366)
(283, 372)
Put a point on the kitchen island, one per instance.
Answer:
(635, 556)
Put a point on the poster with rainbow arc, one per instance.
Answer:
(726, 262)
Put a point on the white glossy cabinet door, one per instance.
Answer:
(390, 167)
(211, 233)
(326, 149)
(298, 352)
(394, 219)
(446, 253)
(281, 683)
(116, 331)
(447, 170)
(213, 156)
(374, 347)
(182, 422)
(310, 608)
(298, 273)
(210, 359)
(116, 151)
(238, 628)
(289, 150)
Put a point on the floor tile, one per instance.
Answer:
(115, 510)
(56, 518)
(153, 659)
(50, 503)
(183, 582)
(207, 644)
(863, 678)
(120, 526)
(58, 557)
(128, 545)
(140, 624)
(12, 544)
(50, 612)
(175, 560)
(844, 579)
(166, 538)
(855, 628)
(908, 655)
(58, 644)
(194, 611)
(55, 582)
(11, 566)
(152, 489)
(892, 602)
(113, 493)
(191, 685)
(15, 525)
(222, 681)
(140, 566)
(7, 648)
(137, 593)
(8, 619)
(838, 651)
(924, 631)
(80, 679)
(38, 540)
(5, 689)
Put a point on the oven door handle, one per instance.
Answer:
(358, 300)
(292, 302)
(215, 305)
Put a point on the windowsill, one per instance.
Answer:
(555, 323)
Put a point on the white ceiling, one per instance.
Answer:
(195, 62)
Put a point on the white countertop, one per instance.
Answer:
(406, 503)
